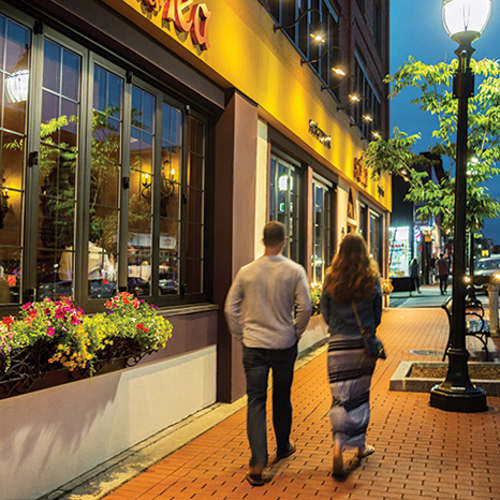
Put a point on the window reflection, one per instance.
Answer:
(104, 183)
(14, 56)
(321, 254)
(284, 196)
(163, 180)
(57, 173)
(142, 178)
(171, 146)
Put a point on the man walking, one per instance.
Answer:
(443, 271)
(277, 308)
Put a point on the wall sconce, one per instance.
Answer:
(317, 34)
(366, 118)
(146, 187)
(4, 206)
(311, 61)
(353, 99)
(342, 76)
(16, 86)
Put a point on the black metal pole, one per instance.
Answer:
(457, 393)
(472, 290)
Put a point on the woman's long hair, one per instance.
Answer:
(352, 274)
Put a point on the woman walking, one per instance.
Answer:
(352, 297)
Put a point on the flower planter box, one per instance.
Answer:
(31, 370)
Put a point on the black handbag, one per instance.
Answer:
(373, 345)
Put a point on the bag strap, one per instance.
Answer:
(355, 309)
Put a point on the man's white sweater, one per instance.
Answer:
(268, 305)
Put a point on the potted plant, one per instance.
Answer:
(387, 288)
(316, 290)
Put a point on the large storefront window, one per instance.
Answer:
(103, 188)
(285, 202)
(322, 230)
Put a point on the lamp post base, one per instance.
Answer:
(459, 399)
(457, 392)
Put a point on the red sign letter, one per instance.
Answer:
(173, 11)
(200, 15)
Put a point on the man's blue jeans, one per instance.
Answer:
(257, 363)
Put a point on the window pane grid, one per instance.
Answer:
(57, 172)
(142, 181)
(105, 174)
(195, 206)
(170, 189)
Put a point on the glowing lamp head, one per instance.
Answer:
(465, 20)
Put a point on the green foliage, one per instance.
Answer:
(436, 98)
(316, 290)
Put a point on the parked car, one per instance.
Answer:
(485, 269)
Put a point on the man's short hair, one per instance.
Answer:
(274, 234)
(441, 255)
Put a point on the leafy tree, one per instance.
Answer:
(396, 155)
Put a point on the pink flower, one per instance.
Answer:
(50, 331)
(60, 314)
(26, 306)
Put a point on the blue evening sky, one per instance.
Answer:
(417, 30)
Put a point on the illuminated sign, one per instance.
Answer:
(360, 172)
(195, 23)
(314, 129)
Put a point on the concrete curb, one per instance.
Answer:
(401, 381)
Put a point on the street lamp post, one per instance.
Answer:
(464, 20)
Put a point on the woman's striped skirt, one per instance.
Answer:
(349, 371)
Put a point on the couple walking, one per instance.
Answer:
(268, 308)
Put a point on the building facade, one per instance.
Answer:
(145, 143)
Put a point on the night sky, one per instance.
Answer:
(417, 30)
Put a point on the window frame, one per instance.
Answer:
(327, 224)
(31, 176)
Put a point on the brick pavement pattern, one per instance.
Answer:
(421, 452)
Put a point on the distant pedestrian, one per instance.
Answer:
(447, 258)
(273, 292)
(443, 271)
(432, 267)
(415, 275)
(351, 292)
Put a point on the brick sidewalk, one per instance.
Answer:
(421, 452)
